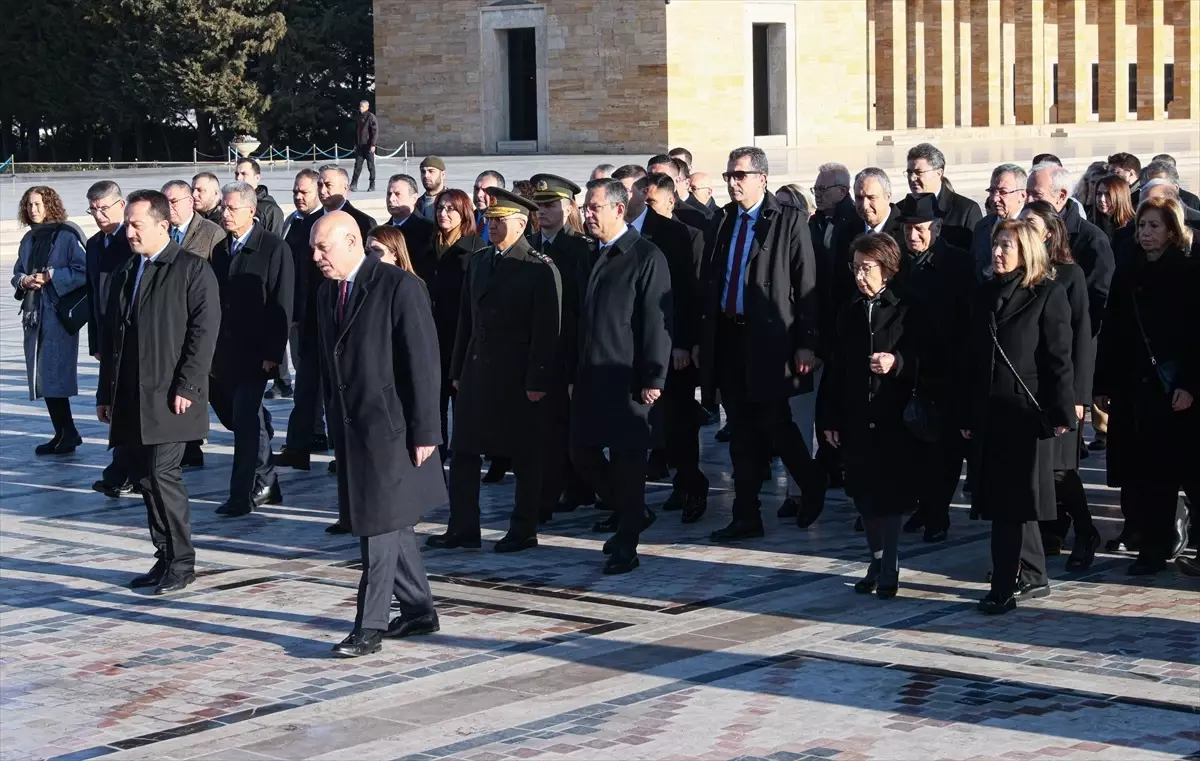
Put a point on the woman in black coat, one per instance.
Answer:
(1068, 486)
(1148, 373)
(861, 403)
(1019, 394)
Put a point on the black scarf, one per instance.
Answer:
(1005, 286)
(43, 237)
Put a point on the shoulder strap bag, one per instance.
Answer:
(1045, 430)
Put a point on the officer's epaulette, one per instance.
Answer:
(542, 257)
(488, 247)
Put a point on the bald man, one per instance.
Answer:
(702, 190)
(380, 364)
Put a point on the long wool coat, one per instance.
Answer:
(51, 353)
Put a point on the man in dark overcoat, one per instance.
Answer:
(759, 330)
(157, 345)
(619, 363)
(503, 367)
(959, 214)
(379, 360)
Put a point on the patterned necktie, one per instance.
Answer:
(176, 235)
(735, 272)
(343, 291)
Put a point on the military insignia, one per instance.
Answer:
(543, 185)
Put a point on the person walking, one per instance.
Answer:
(157, 346)
(50, 278)
(366, 132)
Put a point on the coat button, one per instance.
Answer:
(337, 352)
(341, 387)
(346, 420)
(870, 425)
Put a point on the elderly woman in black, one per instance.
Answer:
(1068, 486)
(1019, 394)
(860, 406)
(1148, 373)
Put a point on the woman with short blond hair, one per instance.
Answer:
(1018, 396)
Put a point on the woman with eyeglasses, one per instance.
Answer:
(1018, 395)
(1068, 486)
(1148, 373)
(860, 407)
(50, 272)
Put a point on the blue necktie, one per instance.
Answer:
(177, 235)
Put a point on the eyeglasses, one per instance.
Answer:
(918, 172)
(862, 269)
(235, 209)
(1004, 193)
(702, 187)
(179, 200)
(739, 175)
(596, 207)
(447, 210)
(819, 189)
(94, 210)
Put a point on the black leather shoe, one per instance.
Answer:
(293, 458)
(174, 582)
(932, 535)
(1123, 543)
(674, 501)
(497, 468)
(268, 495)
(915, 523)
(319, 443)
(1146, 567)
(866, 585)
(569, 503)
(68, 443)
(994, 606)
(231, 509)
(452, 541)
(621, 562)
(610, 543)
(401, 627)
(512, 543)
(360, 642)
(371, 189)
(808, 514)
(656, 468)
(738, 530)
(332, 466)
(337, 528)
(151, 578)
(1098, 445)
(1027, 591)
(1083, 554)
(694, 508)
(49, 446)
(280, 390)
(723, 435)
(789, 508)
(886, 593)
(607, 525)
(1052, 545)
(112, 490)
(1181, 537)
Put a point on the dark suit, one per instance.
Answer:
(257, 292)
(380, 364)
(748, 346)
(831, 233)
(623, 346)
(959, 216)
(268, 212)
(708, 210)
(507, 344)
(158, 350)
(308, 410)
(103, 263)
(697, 217)
(366, 223)
(981, 245)
(418, 236)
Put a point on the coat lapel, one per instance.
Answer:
(358, 293)
(1020, 301)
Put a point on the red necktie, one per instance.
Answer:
(735, 279)
(341, 305)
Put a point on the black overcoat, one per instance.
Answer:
(1011, 467)
(623, 345)
(257, 293)
(781, 303)
(365, 222)
(178, 318)
(418, 235)
(103, 262)
(867, 409)
(1146, 439)
(569, 251)
(507, 344)
(381, 379)
(1083, 359)
(306, 275)
(1094, 255)
(445, 291)
(959, 216)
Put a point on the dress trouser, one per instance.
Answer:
(363, 153)
(883, 540)
(558, 472)
(943, 463)
(756, 424)
(156, 468)
(308, 404)
(681, 418)
(239, 407)
(620, 481)
(1072, 507)
(120, 470)
(464, 493)
(392, 567)
(804, 413)
(1016, 552)
(1152, 506)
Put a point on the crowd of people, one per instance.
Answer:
(868, 341)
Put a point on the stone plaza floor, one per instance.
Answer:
(754, 651)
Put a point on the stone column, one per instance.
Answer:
(891, 65)
(1150, 60)
(1074, 89)
(986, 100)
(963, 56)
(1031, 63)
(1114, 61)
(914, 80)
(1186, 104)
(939, 63)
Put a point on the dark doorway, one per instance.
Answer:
(522, 85)
(770, 79)
(762, 81)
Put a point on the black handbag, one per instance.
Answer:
(922, 415)
(74, 309)
(1045, 429)
(1167, 372)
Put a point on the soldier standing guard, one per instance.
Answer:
(504, 363)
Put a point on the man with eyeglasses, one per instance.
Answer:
(832, 227)
(489, 178)
(107, 251)
(190, 231)
(959, 214)
(759, 328)
(1005, 199)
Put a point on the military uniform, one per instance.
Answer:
(569, 251)
(507, 345)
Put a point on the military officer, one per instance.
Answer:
(504, 364)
